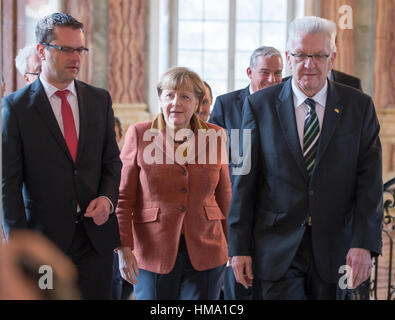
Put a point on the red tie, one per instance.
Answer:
(70, 133)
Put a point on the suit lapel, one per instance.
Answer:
(286, 114)
(240, 99)
(42, 104)
(83, 113)
(332, 114)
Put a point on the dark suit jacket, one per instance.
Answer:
(347, 79)
(271, 204)
(37, 160)
(227, 113)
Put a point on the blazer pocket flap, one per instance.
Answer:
(146, 215)
(214, 213)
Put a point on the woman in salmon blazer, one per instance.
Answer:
(174, 198)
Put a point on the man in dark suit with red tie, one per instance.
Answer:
(311, 206)
(61, 166)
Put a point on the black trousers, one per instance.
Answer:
(94, 269)
(301, 281)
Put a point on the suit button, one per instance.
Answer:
(182, 208)
(311, 193)
(75, 172)
(185, 172)
(184, 190)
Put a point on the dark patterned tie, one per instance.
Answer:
(310, 135)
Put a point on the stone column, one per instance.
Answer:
(126, 33)
(384, 57)
(345, 37)
(82, 10)
(13, 39)
(384, 98)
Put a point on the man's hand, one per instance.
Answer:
(99, 209)
(360, 262)
(128, 265)
(242, 268)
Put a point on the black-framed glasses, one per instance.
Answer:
(67, 50)
(33, 73)
(299, 57)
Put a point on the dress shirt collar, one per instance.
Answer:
(50, 90)
(330, 75)
(250, 89)
(300, 97)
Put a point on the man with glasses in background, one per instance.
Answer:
(264, 71)
(28, 63)
(61, 166)
(308, 215)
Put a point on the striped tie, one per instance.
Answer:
(310, 135)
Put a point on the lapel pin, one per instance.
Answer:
(337, 110)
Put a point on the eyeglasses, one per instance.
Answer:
(299, 57)
(68, 50)
(33, 73)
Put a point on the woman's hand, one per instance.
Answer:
(128, 265)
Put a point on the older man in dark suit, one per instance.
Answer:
(265, 70)
(61, 166)
(311, 206)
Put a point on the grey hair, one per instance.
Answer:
(22, 57)
(44, 27)
(266, 52)
(312, 24)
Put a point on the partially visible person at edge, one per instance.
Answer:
(28, 63)
(173, 216)
(203, 111)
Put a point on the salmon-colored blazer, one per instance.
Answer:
(158, 202)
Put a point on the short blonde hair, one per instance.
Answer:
(178, 77)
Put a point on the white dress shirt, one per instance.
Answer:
(56, 103)
(301, 108)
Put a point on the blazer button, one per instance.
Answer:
(184, 190)
(185, 172)
(75, 172)
(182, 208)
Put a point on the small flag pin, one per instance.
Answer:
(337, 110)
